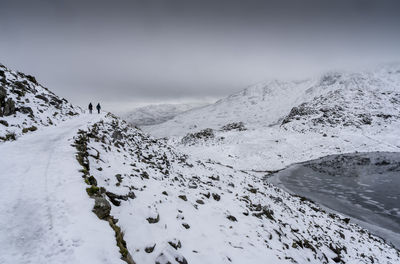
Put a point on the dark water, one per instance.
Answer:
(364, 186)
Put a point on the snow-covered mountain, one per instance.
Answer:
(270, 126)
(334, 99)
(94, 189)
(26, 105)
(156, 114)
(357, 99)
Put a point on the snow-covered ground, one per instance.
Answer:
(45, 212)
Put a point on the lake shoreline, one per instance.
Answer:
(333, 200)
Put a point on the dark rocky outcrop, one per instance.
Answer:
(239, 126)
(9, 107)
(203, 135)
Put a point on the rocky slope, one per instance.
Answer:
(25, 105)
(358, 99)
(173, 208)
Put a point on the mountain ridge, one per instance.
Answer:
(25, 105)
(269, 103)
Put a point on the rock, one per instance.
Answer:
(252, 190)
(102, 207)
(119, 177)
(42, 97)
(191, 138)
(175, 243)
(264, 211)
(216, 197)
(153, 220)
(27, 129)
(92, 180)
(145, 175)
(3, 94)
(25, 110)
(149, 249)
(183, 197)
(181, 260)
(31, 79)
(366, 119)
(169, 259)
(9, 107)
(297, 112)
(192, 185)
(239, 126)
(200, 201)
(232, 218)
(117, 135)
(4, 123)
(115, 198)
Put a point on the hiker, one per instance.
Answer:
(98, 107)
(90, 107)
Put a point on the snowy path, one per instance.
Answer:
(45, 213)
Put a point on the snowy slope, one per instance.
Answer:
(25, 105)
(45, 213)
(337, 113)
(348, 97)
(356, 99)
(156, 114)
(174, 208)
(256, 105)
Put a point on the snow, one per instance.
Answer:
(45, 213)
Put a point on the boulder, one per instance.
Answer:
(9, 107)
(102, 207)
(4, 123)
(3, 94)
(26, 110)
(42, 97)
(117, 135)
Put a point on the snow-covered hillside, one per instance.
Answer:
(284, 122)
(357, 99)
(173, 208)
(345, 99)
(337, 113)
(156, 114)
(25, 105)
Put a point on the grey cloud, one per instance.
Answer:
(148, 51)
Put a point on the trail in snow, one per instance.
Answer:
(45, 213)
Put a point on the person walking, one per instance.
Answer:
(98, 107)
(90, 108)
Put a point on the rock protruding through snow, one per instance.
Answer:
(26, 105)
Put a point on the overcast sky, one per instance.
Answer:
(129, 53)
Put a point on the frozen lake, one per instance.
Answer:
(364, 186)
